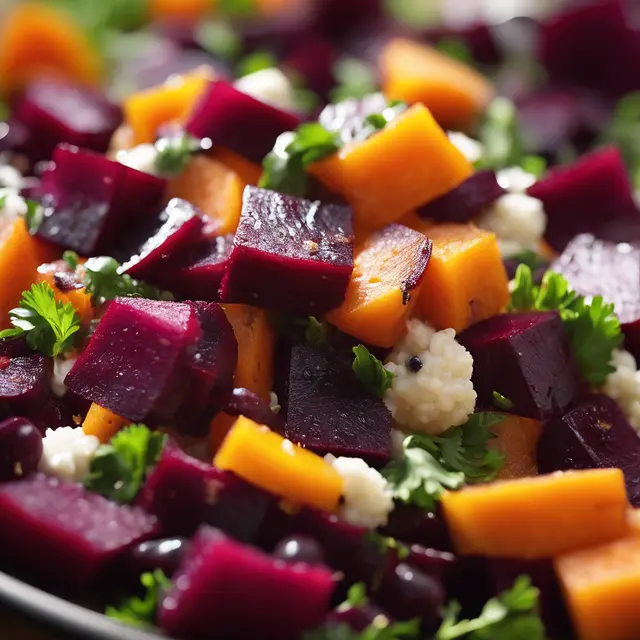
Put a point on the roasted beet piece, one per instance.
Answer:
(89, 200)
(24, 382)
(314, 58)
(525, 357)
(352, 420)
(584, 196)
(466, 201)
(58, 528)
(242, 402)
(289, 254)
(413, 525)
(236, 121)
(246, 592)
(184, 492)
(20, 448)
(594, 434)
(56, 111)
(178, 227)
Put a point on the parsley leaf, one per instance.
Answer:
(119, 468)
(142, 611)
(357, 594)
(456, 48)
(370, 371)
(379, 121)
(175, 153)
(34, 216)
(71, 258)
(316, 332)
(512, 615)
(49, 326)
(502, 402)
(256, 61)
(380, 629)
(591, 325)
(530, 258)
(384, 544)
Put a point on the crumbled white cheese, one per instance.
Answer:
(438, 396)
(143, 158)
(12, 204)
(274, 403)
(623, 385)
(515, 179)
(518, 220)
(67, 453)
(367, 497)
(471, 149)
(61, 367)
(10, 177)
(270, 86)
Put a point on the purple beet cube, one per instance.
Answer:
(235, 591)
(353, 421)
(238, 122)
(56, 111)
(25, 382)
(289, 254)
(526, 357)
(584, 196)
(89, 200)
(595, 434)
(59, 528)
(130, 360)
(184, 493)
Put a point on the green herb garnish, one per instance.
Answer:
(502, 402)
(49, 326)
(530, 258)
(357, 594)
(380, 629)
(256, 61)
(237, 8)
(457, 49)
(119, 468)
(591, 326)
(219, 38)
(142, 612)
(370, 371)
(71, 258)
(174, 154)
(355, 79)
(384, 544)
(316, 332)
(34, 216)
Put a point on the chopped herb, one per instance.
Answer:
(591, 326)
(376, 120)
(237, 8)
(370, 371)
(384, 544)
(118, 469)
(316, 332)
(530, 258)
(535, 165)
(219, 38)
(456, 48)
(175, 153)
(513, 615)
(256, 61)
(142, 611)
(3, 200)
(357, 594)
(501, 402)
(380, 120)
(305, 100)
(355, 79)
(49, 326)
(71, 258)
(34, 216)
(380, 629)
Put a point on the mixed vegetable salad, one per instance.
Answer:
(321, 324)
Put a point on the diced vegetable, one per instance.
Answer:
(466, 281)
(455, 93)
(387, 278)
(278, 466)
(179, 9)
(249, 172)
(413, 140)
(76, 294)
(102, 423)
(517, 440)
(538, 517)
(25, 384)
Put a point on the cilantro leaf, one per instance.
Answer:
(142, 611)
(370, 371)
(501, 401)
(456, 48)
(591, 326)
(256, 61)
(175, 153)
(34, 216)
(512, 615)
(49, 326)
(119, 468)
(357, 594)
(71, 258)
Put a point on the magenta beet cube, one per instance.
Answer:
(289, 254)
(90, 200)
(353, 421)
(236, 121)
(55, 111)
(25, 383)
(525, 357)
(235, 591)
(58, 528)
(585, 196)
(184, 493)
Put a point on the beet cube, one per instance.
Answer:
(238, 122)
(329, 411)
(56, 111)
(289, 254)
(58, 528)
(525, 357)
(584, 196)
(89, 200)
(595, 434)
(25, 382)
(184, 492)
(245, 593)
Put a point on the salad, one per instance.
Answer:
(321, 324)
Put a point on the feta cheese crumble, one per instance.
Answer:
(12, 204)
(270, 86)
(274, 403)
(367, 497)
(471, 149)
(439, 394)
(67, 453)
(623, 385)
(61, 367)
(10, 177)
(143, 158)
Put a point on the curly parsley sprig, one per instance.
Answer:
(141, 612)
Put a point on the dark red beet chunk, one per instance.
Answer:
(237, 121)
(584, 196)
(184, 492)
(58, 528)
(24, 382)
(245, 593)
(56, 111)
(89, 200)
(20, 448)
(242, 402)
(595, 434)
(329, 411)
(525, 357)
(165, 554)
(466, 201)
(289, 254)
